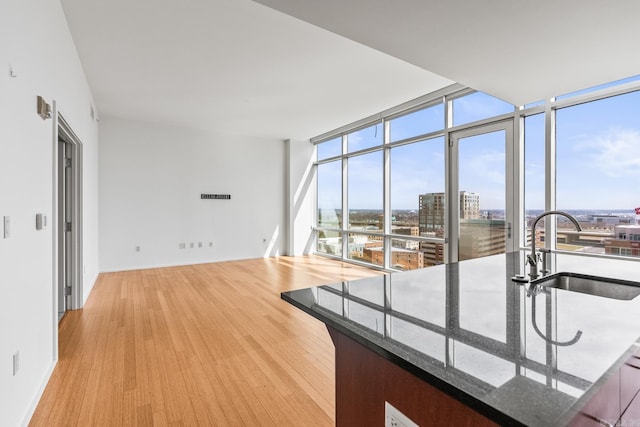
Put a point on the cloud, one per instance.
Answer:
(485, 167)
(615, 153)
(484, 173)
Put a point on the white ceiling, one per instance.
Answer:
(236, 66)
(233, 66)
(521, 51)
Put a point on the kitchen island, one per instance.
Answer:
(463, 344)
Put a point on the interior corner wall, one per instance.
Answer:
(301, 197)
(151, 179)
(38, 57)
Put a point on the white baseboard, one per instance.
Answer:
(183, 264)
(36, 399)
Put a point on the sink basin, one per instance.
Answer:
(592, 285)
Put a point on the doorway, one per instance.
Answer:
(69, 219)
(482, 180)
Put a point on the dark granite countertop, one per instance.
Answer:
(469, 330)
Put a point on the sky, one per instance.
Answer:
(598, 154)
(598, 158)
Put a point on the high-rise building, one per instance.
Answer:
(479, 236)
(431, 215)
(469, 205)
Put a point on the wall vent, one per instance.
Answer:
(216, 196)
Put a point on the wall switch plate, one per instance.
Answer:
(7, 224)
(395, 418)
(182, 245)
(41, 221)
(16, 362)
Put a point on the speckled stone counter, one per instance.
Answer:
(469, 330)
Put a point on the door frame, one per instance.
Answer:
(511, 184)
(63, 131)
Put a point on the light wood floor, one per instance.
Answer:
(209, 344)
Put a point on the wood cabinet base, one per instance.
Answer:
(365, 380)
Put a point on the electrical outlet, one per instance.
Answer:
(191, 245)
(395, 418)
(137, 248)
(210, 244)
(199, 244)
(182, 245)
(16, 363)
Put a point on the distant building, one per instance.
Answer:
(406, 231)
(330, 245)
(481, 237)
(405, 244)
(431, 216)
(402, 259)
(607, 220)
(626, 241)
(357, 243)
(431, 219)
(469, 205)
(433, 252)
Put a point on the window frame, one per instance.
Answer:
(447, 95)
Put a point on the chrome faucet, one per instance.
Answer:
(532, 258)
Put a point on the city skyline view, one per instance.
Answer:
(482, 234)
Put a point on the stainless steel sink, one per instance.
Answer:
(592, 285)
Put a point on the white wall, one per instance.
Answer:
(35, 40)
(151, 178)
(301, 195)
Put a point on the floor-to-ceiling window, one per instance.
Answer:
(330, 207)
(534, 170)
(365, 201)
(582, 152)
(389, 177)
(417, 170)
(598, 174)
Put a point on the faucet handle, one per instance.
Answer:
(545, 253)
